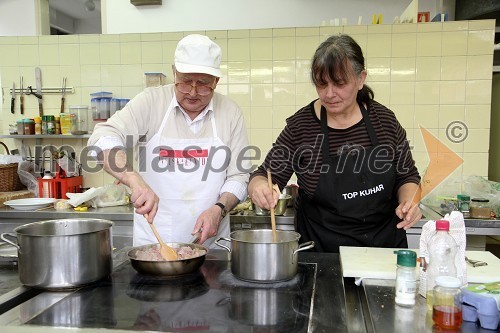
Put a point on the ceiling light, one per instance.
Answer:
(89, 5)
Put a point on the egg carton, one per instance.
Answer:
(482, 303)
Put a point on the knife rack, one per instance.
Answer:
(47, 90)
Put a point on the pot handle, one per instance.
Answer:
(304, 246)
(2, 236)
(223, 246)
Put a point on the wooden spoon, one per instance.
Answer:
(273, 216)
(167, 252)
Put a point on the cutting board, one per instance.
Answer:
(380, 263)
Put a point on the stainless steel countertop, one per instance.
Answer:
(121, 213)
(123, 216)
(384, 316)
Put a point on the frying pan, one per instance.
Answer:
(166, 268)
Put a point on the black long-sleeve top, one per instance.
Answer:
(298, 147)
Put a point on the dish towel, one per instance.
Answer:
(457, 231)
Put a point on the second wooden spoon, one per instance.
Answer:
(273, 217)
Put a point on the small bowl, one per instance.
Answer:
(278, 210)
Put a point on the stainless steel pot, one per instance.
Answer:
(166, 268)
(255, 257)
(280, 208)
(66, 253)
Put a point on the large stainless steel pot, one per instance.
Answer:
(63, 253)
(166, 268)
(256, 257)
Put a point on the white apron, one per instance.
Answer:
(178, 182)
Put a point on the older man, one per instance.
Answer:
(191, 142)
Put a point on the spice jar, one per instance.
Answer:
(480, 208)
(447, 307)
(406, 278)
(20, 126)
(51, 125)
(464, 204)
(29, 126)
(38, 125)
(58, 125)
(44, 124)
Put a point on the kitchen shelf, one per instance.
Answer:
(43, 136)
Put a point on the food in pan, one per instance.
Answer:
(153, 253)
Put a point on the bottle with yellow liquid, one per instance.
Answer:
(442, 255)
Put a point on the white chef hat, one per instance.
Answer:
(198, 54)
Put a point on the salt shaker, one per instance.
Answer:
(406, 278)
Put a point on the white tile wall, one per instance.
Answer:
(429, 74)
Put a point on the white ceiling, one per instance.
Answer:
(76, 8)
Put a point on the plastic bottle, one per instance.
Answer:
(406, 278)
(46, 184)
(442, 253)
(447, 308)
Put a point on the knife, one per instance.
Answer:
(22, 95)
(38, 76)
(13, 99)
(63, 95)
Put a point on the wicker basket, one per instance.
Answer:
(9, 179)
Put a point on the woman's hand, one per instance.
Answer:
(408, 210)
(261, 194)
(409, 213)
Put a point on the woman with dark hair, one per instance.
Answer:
(357, 179)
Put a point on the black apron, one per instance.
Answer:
(352, 205)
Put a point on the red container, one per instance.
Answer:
(58, 187)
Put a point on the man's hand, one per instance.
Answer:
(143, 198)
(208, 222)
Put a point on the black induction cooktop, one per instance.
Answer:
(208, 300)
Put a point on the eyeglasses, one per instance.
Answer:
(203, 89)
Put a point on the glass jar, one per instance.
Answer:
(29, 126)
(447, 307)
(44, 124)
(79, 119)
(464, 204)
(51, 125)
(480, 208)
(20, 126)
